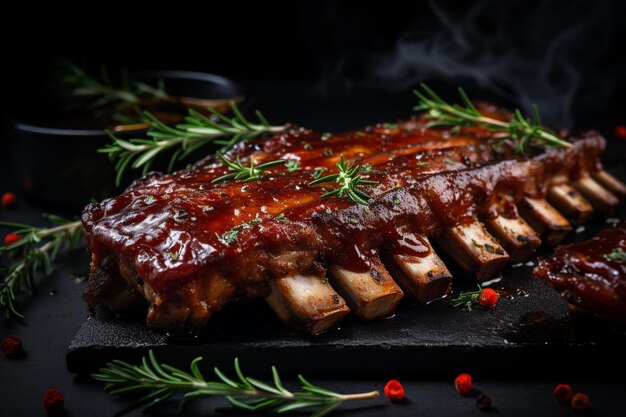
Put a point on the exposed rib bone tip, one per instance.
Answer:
(608, 181)
(569, 202)
(306, 302)
(545, 219)
(599, 197)
(515, 235)
(423, 278)
(474, 249)
(371, 294)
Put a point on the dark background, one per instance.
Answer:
(328, 65)
(569, 57)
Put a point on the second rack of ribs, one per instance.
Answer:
(189, 246)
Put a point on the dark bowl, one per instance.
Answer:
(62, 166)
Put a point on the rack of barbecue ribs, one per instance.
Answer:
(189, 245)
(591, 276)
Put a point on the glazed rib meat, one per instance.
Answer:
(591, 276)
(189, 246)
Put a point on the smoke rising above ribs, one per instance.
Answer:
(189, 247)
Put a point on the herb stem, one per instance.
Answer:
(524, 132)
(348, 179)
(161, 381)
(361, 396)
(65, 228)
(197, 131)
(244, 173)
(103, 91)
(26, 258)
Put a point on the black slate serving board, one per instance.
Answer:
(526, 334)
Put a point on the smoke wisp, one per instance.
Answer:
(547, 53)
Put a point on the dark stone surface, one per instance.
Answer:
(56, 313)
(523, 334)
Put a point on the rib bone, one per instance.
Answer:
(373, 294)
(608, 181)
(515, 235)
(545, 219)
(474, 249)
(422, 278)
(306, 302)
(569, 202)
(601, 199)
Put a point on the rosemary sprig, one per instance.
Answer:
(103, 90)
(466, 298)
(524, 132)
(197, 131)
(292, 165)
(161, 381)
(617, 255)
(348, 181)
(244, 173)
(27, 257)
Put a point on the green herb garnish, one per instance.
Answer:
(244, 173)
(524, 132)
(34, 251)
(230, 236)
(160, 382)
(349, 181)
(318, 172)
(617, 254)
(197, 131)
(103, 91)
(292, 165)
(366, 168)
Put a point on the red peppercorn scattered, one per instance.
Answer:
(9, 200)
(620, 131)
(53, 401)
(563, 393)
(11, 238)
(394, 390)
(488, 297)
(483, 402)
(463, 384)
(11, 346)
(580, 402)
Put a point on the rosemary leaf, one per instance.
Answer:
(525, 133)
(160, 382)
(34, 252)
(617, 254)
(244, 173)
(102, 91)
(197, 131)
(348, 181)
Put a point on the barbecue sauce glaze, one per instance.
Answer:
(587, 277)
(174, 227)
